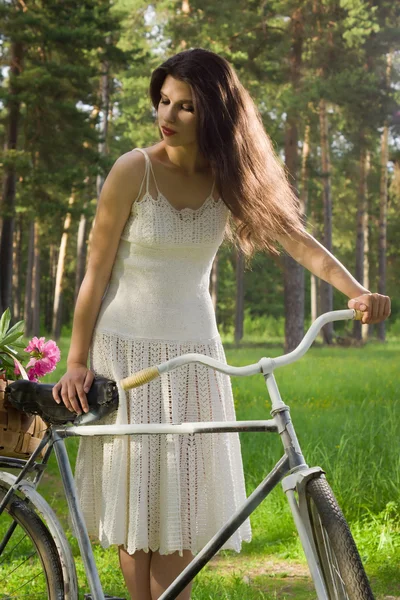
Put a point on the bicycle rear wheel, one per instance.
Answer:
(343, 572)
(30, 565)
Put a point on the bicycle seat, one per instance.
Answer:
(36, 398)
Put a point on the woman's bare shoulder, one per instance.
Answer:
(130, 168)
(156, 151)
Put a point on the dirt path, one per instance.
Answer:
(283, 579)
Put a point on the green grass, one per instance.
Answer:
(345, 408)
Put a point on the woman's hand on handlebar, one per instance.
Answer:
(74, 384)
(376, 307)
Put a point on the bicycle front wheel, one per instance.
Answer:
(343, 572)
(30, 565)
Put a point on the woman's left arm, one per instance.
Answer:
(307, 251)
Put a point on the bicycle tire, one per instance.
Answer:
(37, 538)
(341, 565)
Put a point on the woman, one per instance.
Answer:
(162, 214)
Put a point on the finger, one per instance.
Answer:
(368, 312)
(359, 304)
(65, 397)
(365, 318)
(387, 307)
(89, 377)
(55, 392)
(380, 309)
(82, 397)
(73, 399)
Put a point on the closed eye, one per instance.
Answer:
(185, 107)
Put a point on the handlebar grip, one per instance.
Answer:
(139, 378)
(358, 315)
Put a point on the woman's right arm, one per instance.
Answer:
(120, 189)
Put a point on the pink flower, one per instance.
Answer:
(44, 357)
(32, 375)
(16, 369)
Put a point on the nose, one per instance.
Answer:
(169, 115)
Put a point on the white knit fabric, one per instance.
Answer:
(162, 492)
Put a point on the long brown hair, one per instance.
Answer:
(231, 135)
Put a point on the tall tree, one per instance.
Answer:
(57, 307)
(7, 206)
(36, 279)
(28, 280)
(214, 283)
(294, 273)
(362, 225)
(326, 288)
(383, 195)
(239, 315)
(17, 275)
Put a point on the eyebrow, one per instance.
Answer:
(186, 100)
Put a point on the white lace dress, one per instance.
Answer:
(162, 492)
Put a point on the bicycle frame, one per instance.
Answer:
(291, 470)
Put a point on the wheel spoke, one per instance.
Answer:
(12, 549)
(29, 595)
(18, 566)
(334, 581)
(30, 563)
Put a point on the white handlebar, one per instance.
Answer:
(264, 365)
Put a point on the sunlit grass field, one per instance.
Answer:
(345, 408)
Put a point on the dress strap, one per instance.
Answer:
(212, 190)
(146, 173)
(149, 168)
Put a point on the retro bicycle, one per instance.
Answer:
(31, 533)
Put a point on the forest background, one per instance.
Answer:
(325, 76)
(74, 97)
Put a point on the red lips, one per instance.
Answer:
(167, 131)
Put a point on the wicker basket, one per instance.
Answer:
(20, 433)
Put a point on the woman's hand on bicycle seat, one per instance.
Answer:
(72, 388)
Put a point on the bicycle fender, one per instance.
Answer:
(53, 524)
(298, 480)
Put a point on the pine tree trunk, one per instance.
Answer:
(48, 308)
(17, 253)
(102, 146)
(304, 172)
(9, 183)
(214, 282)
(365, 328)
(383, 195)
(104, 106)
(36, 281)
(304, 205)
(361, 227)
(57, 306)
(326, 288)
(314, 281)
(80, 253)
(28, 281)
(239, 314)
(293, 272)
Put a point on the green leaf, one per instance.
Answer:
(5, 322)
(10, 338)
(19, 326)
(19, 344)
(7, 360)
